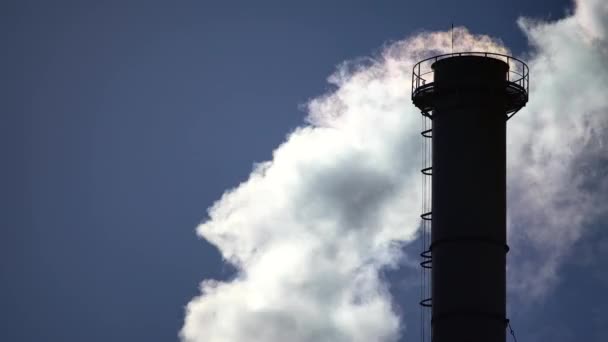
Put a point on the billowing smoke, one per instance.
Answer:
(310, 230)
(557, 147)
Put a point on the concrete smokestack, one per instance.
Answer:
(469, 98)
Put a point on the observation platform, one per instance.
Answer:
(516, 83)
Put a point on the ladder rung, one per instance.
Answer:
(427, 216)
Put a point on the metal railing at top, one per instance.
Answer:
(518, 73)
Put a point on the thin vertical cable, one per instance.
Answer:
(428, 193)
(425, 194)
(425, 224)
(422, 229)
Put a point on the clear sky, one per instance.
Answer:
(123, 121)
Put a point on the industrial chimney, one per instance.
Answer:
(468, 98)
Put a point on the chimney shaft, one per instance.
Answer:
(469, 101)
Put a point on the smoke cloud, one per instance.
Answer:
(557, 148)
(310, 230)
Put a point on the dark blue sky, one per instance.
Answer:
(123, 121)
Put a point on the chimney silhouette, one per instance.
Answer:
(468, 97)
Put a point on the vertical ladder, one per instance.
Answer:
(426, 218)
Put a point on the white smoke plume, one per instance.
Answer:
(310, 230)
(557, 151)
